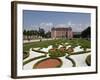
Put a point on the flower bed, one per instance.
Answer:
(48, 63)
(57, 52)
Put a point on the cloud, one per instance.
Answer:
(35, 27)
(75, 27)
(46, 24)
(61, 25)
(69, 23)
(78, 27)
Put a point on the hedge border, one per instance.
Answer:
(25, 55)
(80, 52)
(73, 62)
(40, 51)
(27, 61)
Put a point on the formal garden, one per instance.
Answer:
(57, 53)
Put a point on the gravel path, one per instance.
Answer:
(79, 59)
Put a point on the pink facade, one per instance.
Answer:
(62, 33)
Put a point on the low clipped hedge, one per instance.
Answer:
(39, 51)
(88, 60)
(80, 52)
(73, 62)
(25, 55)
(34, 66)
(25, 62)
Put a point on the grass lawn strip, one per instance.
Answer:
(74, 42)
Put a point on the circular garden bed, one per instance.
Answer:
(48, 63)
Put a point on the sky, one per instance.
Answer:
(32, 20)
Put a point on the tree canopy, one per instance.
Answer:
(86, 33)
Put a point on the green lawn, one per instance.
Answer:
(74, 42)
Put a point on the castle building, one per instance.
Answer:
(62, 33)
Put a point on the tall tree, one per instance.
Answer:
(24, 32)
(41, 32)
(86, 33)
(48, 34)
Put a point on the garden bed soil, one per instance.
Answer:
(48, 63)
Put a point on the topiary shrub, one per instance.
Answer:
(57, 52)
(70, 49)
(62, 49)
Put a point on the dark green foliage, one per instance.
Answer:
(56, 53)
(48, 34)
(39, 51)
(25, 55)
(77, 36)
(41, 32)
(24, 32)
(74, 42)
(86, 33)
(80, 52)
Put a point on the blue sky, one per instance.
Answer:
(48, 19)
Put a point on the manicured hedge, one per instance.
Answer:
(25, 62)
(88, 60)
(80, 52)
(25, 55)
(39, 51)
(56, 53)
(73, 62)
